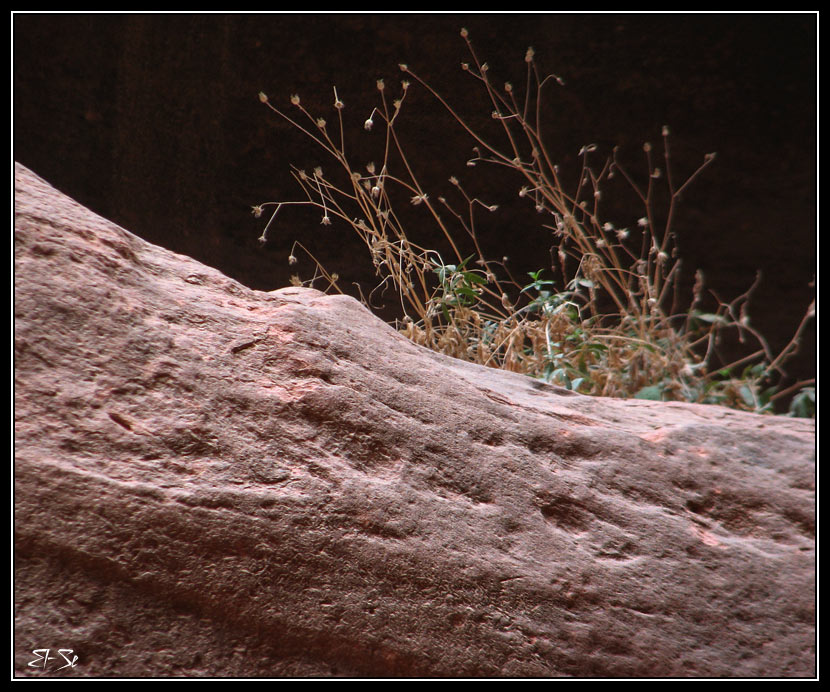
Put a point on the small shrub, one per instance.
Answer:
(602, 320)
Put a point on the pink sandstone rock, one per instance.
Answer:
(216, 481)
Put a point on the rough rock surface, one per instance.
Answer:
(211, 480)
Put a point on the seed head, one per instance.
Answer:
(295, 99)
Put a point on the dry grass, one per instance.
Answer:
(605, 322)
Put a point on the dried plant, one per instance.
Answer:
(609, 325)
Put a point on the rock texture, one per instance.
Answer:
(211, 480)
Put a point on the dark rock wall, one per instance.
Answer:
(153, 121)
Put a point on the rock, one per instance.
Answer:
(216, 481)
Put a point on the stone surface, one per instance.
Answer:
(212, 480)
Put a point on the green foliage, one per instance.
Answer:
(803, 404)
(459, 286)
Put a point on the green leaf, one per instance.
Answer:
(597, 348)
(652, 392)
(446, 312)
(559, 374)
(747, 395)
(474, 278)
(803, 404)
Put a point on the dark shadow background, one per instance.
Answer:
(153, 121)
